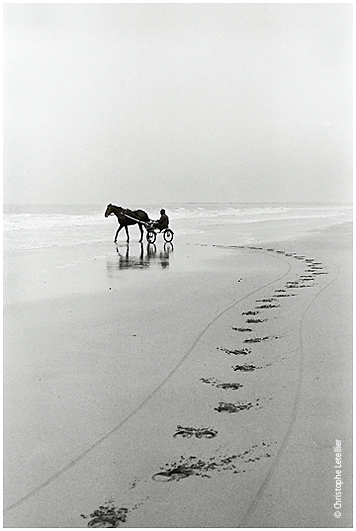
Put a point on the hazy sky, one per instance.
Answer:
(146, 103)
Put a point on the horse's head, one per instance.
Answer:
(108, 210)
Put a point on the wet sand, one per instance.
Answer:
(200, 386)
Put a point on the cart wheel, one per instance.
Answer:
(151, 236)
(168, 235)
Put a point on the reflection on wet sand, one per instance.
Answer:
(143, 259)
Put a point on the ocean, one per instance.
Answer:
(29, 227)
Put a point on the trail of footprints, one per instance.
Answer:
(108, 515)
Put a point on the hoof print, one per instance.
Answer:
(102, 522)
(107, 516)
(245, 368)
(187, 432)
(237, 352)
(268, 306)
(183, 433)
(176, 474)
(192, 465)
(233, 386)
(212, 381)
(255, 339)
(235, 408)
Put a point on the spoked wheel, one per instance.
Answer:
(151, 236)
(168, 235)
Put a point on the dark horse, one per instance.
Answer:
(127, 217)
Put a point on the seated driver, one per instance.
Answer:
(163, 222)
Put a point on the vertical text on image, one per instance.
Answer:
(337, 478)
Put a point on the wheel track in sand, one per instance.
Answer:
(253, 505)
(72, 463)
(283, 445)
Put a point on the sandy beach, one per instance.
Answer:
(201, 384)
(204, 381)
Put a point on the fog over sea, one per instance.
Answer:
(29, 227)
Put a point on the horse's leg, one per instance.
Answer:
(141, 230)
(127, 234)
(117, 233)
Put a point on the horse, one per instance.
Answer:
(127, 217)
